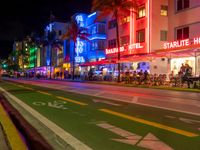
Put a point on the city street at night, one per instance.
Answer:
(100, 75)
(109, 117)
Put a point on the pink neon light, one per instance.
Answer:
(181, 43)
(130, 48)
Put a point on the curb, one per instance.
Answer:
(33, 139)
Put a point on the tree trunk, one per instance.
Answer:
(118, 46)
(22, 56)
(73, 61)
(50, 48)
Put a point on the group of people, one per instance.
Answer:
(184, 75)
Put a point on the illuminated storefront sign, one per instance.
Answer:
(80, 20)
(181, 43)
(79, 59)
(114, 50)
(79, 50)
(130, 48)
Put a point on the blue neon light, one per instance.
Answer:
(97, 37)
(92, 14)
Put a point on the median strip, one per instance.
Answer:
(150, 123)
(11, 132)
(72, 101)
(41, 92)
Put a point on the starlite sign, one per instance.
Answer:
(130, 48)
(181, 43)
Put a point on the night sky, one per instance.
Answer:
(20, 18)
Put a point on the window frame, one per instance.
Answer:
(163, 35)
(143, 9)
(184, 33)
(137, 36)
(164, 8)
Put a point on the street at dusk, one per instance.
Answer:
(100, 75)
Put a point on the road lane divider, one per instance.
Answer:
(45, 93)
(150, 123)
(13, 137)
(28, 88)
(72, 101)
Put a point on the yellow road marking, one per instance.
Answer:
(150, 123)
(72, 101)
(11, 132)
(20, 86)
(44, 93)
(28, 88)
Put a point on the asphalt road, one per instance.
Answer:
(187, 102)
(94, 116)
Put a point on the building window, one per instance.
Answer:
(112, 24)
(98, 45)
(163, 35)
(124, 40)
(182, 33)
(94, 30)
(60, 32)
(101, 28)
(182, 4)
(140, 36)
(125, 20)
(101, 44)
(112, 43)
(141, 12)
(164, 10)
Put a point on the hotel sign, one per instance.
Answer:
(181, 43)
(130, 48)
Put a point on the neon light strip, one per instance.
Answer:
(92, 14)
(97, 38)
(149, 42)
(131, 27)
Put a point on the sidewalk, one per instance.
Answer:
(3, 143)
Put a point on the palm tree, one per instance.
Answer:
(74, 31)
(118, 9)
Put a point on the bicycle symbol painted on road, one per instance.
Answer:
(54, 104)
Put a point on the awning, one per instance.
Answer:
(181, 53)
(101, 62)
(136, 58)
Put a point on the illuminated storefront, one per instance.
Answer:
(91, 49)
(182, 52)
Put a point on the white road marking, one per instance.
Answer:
(153, 143)
(68, 138)
(150, 141)
(105, 102)
(129, 138)
(170, 117)
(189, 121)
